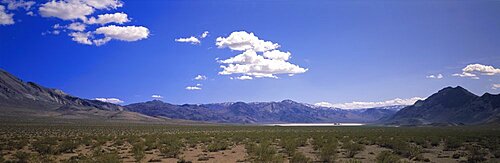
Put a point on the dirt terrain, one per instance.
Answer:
(229, 144)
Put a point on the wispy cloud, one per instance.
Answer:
(193, 88)
(360, 105)
(5, 18)
(109, 100)
(193, 40)
(157, 96)
(473, 70)
(495, 86)
(438, 76)
(200, 77)
(244, 77)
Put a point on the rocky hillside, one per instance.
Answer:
(27, 100)
(451, 105)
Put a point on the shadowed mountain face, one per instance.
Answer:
(286, 111)
(450, 106)
(20, 100)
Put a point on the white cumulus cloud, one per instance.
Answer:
(81, 37)
(438, 76)
(473, 70)
(204, 34)
(15, 4)
(191, 88)
(200, 77)
(251, 64)
(361, 105)
(102, 4)
(269, 63)
(103, 19)
(243, 41)
(109, 100)
(277, 55)
(66, 10)
(76, 26)
(192, 40)
(5, 18)
(124, 33)
(80, 15)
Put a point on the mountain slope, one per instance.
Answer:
(450, 105)
(286, 111)
(21, 101)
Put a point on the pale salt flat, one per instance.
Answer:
(314, 124)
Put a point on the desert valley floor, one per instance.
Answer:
(222, 143)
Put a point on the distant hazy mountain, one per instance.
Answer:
(450, 106)
(20, 100)
(24, 101)
(286, 111)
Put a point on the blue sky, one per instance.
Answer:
(350, 50)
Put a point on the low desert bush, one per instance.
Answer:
(299, 158)
(476, 154)
(328, 152)
(138, 151)
(22, 157)
(218, 146)
(67, 146)
(387, 157)
(452, 144)
(352, 148)
(170, 147)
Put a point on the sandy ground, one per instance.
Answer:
(237, 153)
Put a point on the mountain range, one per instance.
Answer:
(451, 105)
(28, 101)
(286, 111)
(25, 101)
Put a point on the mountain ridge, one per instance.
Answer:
(28, 100)
(285, 111)
(451, 105)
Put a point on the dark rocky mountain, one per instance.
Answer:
(286, 111)
(451, 105)
(20, 100)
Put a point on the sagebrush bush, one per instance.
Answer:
(170, 147)
(452, 144)
(352, 148)
(476, 154)
(218, 146)
(328, 152)
(138, 151)
(22, 157)
(45, 146)
(387, 157)
(299, 158)
(263, 152)
(67, 146)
